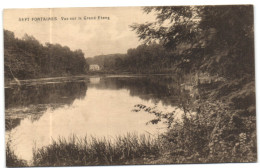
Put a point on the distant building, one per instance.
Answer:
(94, 67)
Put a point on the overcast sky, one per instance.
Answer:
(94, 36)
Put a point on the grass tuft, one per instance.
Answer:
(78, 152)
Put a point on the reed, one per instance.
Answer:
(76, 151)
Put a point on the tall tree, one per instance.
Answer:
(28, 58)
(218, 39)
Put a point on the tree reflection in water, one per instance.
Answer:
(33, 100)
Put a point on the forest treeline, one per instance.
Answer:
(27, 58)
(152, 58)
(106, 62)
(218, 40)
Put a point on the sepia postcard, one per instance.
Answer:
(129, 85)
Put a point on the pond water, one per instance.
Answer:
(40, 111)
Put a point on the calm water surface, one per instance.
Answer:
(43, 110)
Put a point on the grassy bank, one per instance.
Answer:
(212, 138)
(12, 160)
(216, 133)
(74, 151)
(217, 127)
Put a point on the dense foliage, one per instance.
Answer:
(28, 58)
(216, 39)
(76, 151)
(108, 63)
(153, 58)
(219, 124)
